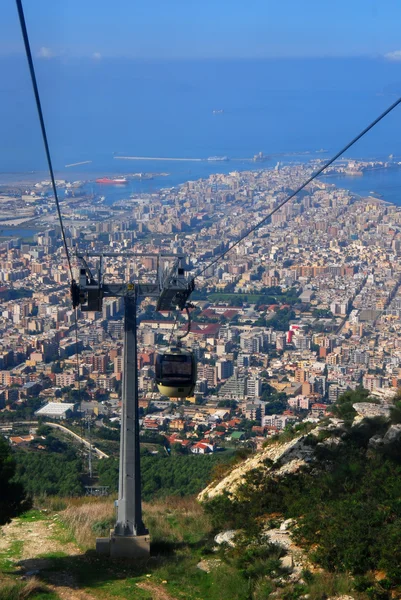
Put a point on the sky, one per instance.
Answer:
(168, 29)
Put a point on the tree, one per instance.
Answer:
(343, 408)
(13, 500)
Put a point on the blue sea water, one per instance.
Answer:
(383, 183)
(95, 110)
(165, 108)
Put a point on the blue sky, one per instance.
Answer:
(205, 28)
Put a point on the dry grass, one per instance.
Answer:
(86, 518)
(330, 584)
(168, 520)
(176, 520)
(21, 590)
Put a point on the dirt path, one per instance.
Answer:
(30, 545)
(69, 593)
(36, 537)
(158, 592)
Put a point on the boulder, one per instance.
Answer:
(287, 562)
(376, 441)
(226, 537)
(208, 565)
(371, 410)
(286, 524)
(279, 537)
(393, 434)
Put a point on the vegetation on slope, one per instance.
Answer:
(163, 475)
(13, 499)
(52, 466)
(347, 506)
(56, 472)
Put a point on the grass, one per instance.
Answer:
(330, 584)
(182, 536)
(81, 518)
(9, 557)
(52, 555)
(33, 515)
(21, 590)
(171, 520)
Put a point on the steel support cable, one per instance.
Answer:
(42, 124)
(172, 331)
(188, 331)
(78, 354)
(301, 187)
(50, 165)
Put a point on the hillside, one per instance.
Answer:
(330, 497)
(315, 515)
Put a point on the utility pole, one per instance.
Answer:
(130, 538)
(90, 447)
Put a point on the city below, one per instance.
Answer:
(307, 307)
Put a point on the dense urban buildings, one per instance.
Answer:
(303, 309)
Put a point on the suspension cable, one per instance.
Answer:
(170, 341)
(301, 187)
(188, 331)
(42, 126)
(53, 181)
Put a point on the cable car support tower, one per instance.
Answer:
(172, 289)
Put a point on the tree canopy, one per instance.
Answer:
(13, 499)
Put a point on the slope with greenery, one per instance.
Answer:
(13, 498)
(347, 505)
(163, 475)
(49, 473)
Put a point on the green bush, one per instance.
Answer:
(167, 475)
(102, 527)
(13, 499)
(348, 506)
(49, 473)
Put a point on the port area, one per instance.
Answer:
(260, 157)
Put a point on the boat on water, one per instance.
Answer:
(218, 158)
(260, 157)
(113, 181)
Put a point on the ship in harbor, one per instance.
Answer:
(114, 181)
(260, 157)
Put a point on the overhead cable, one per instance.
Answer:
(301, 187)
(42, 125)
(50, 165)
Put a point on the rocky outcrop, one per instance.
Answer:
(226, 537)
(282, 458)
(393, 434)
(371, 410)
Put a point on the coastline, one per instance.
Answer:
(383, 183)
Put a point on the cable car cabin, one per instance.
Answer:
(176, 373)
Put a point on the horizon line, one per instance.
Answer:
(90, 57)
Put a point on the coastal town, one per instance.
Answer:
(305, 308)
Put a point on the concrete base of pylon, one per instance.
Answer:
(124, 546)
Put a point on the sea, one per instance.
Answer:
(292, 110)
